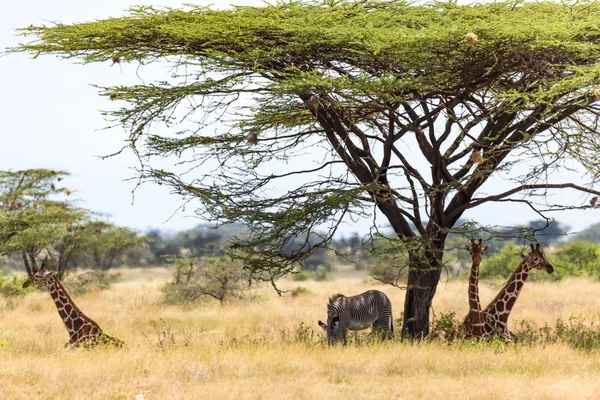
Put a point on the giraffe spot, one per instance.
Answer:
(511, 301)
(500, 306)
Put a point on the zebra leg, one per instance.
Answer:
(381, 329)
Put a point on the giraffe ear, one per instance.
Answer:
(523, 256)
(42, 268)
(487, 246)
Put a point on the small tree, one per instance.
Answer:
(30, 223)
(106, 241)
(221, 278)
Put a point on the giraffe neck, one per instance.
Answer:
(72, 316)
(474, 304)
(503, 303)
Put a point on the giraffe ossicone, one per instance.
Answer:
(83, 331)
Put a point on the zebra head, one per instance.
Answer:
(334, 333)
(333, 329)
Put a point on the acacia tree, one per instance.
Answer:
(106, 241)
(31, 223)
(412, 110)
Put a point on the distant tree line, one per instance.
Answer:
(38, 223)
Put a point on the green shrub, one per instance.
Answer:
(322, 275)
(319, 276)
(503, 263)
(300, 290)
(221, 278)
(447, 321)
(12, 286)
(577, 258)
(576, 332)
(88, 281)
(301, 276)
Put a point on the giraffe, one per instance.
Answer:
(474, 321)
(82, 329)
(496, 313)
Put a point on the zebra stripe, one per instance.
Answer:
(371, 308)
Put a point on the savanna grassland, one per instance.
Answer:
(260, 349)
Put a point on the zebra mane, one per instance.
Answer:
(333, 298)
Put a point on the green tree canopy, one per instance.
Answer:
(30, 221)
(37, 224)
(408, 110)
(106, 241)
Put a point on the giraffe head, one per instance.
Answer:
(536, 259)
(476, 250)
(40, 278)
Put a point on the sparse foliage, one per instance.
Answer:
(221, 278)
(89, 281)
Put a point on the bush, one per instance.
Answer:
(577, 258)
(301, 276)
(503, 263)
(322, 275)
(12, 286)
(88, 281)
(446, 322)
(300, 290)
(576, 332)
(319, 276)
(221, 278)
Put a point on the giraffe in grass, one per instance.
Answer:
(496, 313)
(474, 320)
(82, 330)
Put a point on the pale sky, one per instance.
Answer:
(51, 119)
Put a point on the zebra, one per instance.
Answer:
(358, 312)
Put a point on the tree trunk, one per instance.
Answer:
(32, 261)
(97, 260)
(423, 277)
(27, 266)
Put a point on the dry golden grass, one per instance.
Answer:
(239, 351)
